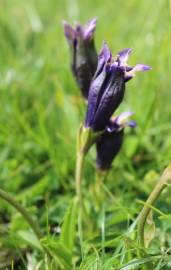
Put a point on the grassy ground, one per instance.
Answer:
(40, 111)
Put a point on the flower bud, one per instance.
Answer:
(109, 144)
(83, 53)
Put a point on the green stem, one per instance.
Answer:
(162, 183)
(81, 210)
(7, 197)
(78, 176)
(86, 137)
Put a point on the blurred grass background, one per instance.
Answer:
(41, 107)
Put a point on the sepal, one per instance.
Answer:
(86, 138)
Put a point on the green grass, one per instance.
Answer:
(40, 112)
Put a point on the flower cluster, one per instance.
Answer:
(102, 80)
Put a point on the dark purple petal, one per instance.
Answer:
(96, 90)
(107, 148)
(128, 78)
(110, 100)
(79, 32)
(99, 84)
(69, 32)
(111, 140)
(112, 126)
(103, 57)
(105, 53)
(128, 68)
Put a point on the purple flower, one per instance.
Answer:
(83, 53)
(108, 86)
(110, 142)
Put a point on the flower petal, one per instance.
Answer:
(113, 93)
(123, 117)
(123, 55)
(120, 122)
(79, 31)
(141, 67)
(131, 73)
(104, 57)
(95, 91)
(89, 29)
(69, 32)
(107, 148)
(105, 52)
(131, 123)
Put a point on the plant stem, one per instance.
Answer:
(78, 176)
(81, 210)
(162, 183)
(7, 197)
(86, 137)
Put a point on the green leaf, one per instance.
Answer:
(129, 243)
(64, 256)
(30, 238)
(69, 226)
(137, 262)
(150, 230)
(61, 255)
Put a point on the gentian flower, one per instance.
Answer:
(110, 142)
(83, 53)
(108, 86)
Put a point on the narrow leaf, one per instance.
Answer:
(69, 226)
(30, 238)
(150, 230)
(59, 252)
(137, 262)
